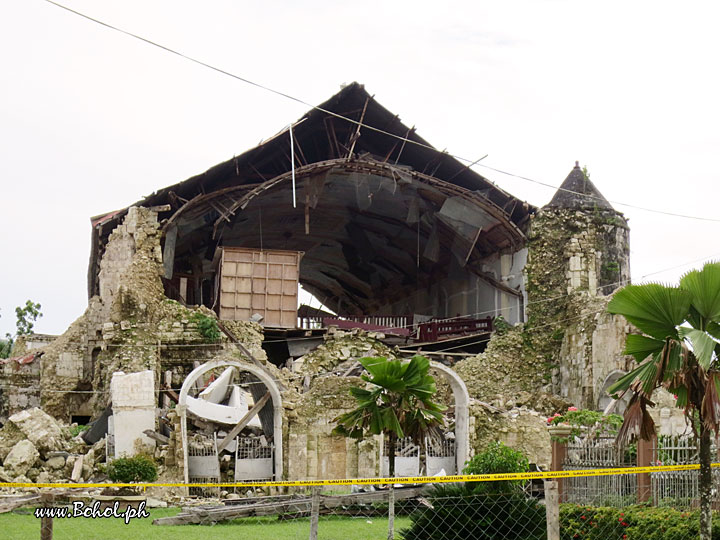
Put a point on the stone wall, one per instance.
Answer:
(591, 350)
(577, 258)
(313, 452)
(519, 427)
(19, 386)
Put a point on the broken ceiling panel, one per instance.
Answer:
(461, 209)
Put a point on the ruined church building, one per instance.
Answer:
(407, 249)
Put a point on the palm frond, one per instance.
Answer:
(710, 409)
(637, 421)
(641, 347)
(642, 373)
(704, 288)
(702, 342)
(654, 309)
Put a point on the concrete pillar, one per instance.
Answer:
(558, 436)
(133, 404)
(552, 509)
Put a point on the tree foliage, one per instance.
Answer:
(495, 459)
(398, 401)
(482, 510)
(24, 323)
(678, 350)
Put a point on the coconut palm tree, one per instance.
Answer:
(679, 350)
(397, 403)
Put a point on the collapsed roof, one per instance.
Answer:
(376, 216)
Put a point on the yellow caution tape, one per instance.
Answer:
(547, 475)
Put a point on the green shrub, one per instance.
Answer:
(460, 512)
(139, 468)
(207, 326)
(497, 458)
(482, 510)
(77, 430)
(630, 523)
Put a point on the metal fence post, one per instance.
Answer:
(552, 509)
(314, 512)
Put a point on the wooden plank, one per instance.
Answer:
(157, 436)
(9, 506)
(171, 394)
(244, 421)
(300, 506)
(169, 251)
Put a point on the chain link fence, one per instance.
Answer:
(443, 511)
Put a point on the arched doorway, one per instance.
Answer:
(263, 376)
(462, 419)
(605, 402)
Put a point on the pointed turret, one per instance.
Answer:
(577, 192)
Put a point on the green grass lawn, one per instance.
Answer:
(22, 526)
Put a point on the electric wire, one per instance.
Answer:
(471, 162)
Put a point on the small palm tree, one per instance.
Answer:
(679, 350)
(397, 403)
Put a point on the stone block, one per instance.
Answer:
(21, 458)
(55, 463)
(129, 427)
(40, 428)
(133, 403)
(70, 365)
(133, 390)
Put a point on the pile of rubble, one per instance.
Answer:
(341, 346)
(34, 447)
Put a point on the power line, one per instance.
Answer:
(471, 162)
(636, 207)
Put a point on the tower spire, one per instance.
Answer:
(578, 192)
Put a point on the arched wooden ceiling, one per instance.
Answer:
(368, 200)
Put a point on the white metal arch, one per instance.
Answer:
(266, 379)
(462, 415)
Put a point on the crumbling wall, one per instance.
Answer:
(63, 376)
(341, 347)
(507, 369)
(576, 257)
(591, 349)
(313, 451)
(518, 427)
(19, 385)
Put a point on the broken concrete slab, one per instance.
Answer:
(21, 458)
(221, 414)
(40, 428)
(133, 403)
(217, 390)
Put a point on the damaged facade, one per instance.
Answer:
(193, 334)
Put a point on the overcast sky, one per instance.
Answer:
(92, 120)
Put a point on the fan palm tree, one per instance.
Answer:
(679, 350)
(397, 403)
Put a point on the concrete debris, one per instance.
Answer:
(342, 347)
(21, 458)
(40, 428)
(36, 448)
(55, 463)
